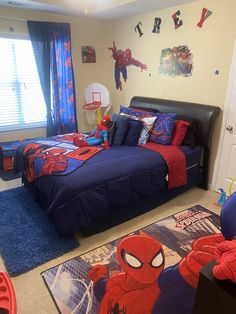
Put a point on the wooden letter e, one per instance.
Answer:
(177, 21)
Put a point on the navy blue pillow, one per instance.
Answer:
(111, 131)
(122, 124)
(134, 131)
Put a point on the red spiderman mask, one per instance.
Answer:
(105, 120)
(141, 258)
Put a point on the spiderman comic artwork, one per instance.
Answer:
(154, 270)
(176, 61)
(88, 54)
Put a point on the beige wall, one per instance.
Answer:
(210, 45)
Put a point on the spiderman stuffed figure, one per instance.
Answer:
(98, 136)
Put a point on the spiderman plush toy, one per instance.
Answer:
(97, 136)
(225, 253)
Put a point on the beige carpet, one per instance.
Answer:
(31, 292)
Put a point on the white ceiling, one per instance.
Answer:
(100, 9)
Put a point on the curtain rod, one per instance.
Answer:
(11, 19)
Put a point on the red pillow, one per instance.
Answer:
(180, 130)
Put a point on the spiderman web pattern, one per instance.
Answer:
(71, 288)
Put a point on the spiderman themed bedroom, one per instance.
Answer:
(117, 156)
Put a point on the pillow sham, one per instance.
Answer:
(148, 123)
(163, 128)
(179, 132)
(134, 130)
(126, 110)
(137, 112)
(121, 128)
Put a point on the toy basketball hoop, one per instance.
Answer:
(90, 111)
(96, 97)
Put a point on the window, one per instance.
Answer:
(22, 103)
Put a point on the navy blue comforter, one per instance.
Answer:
(109, 179)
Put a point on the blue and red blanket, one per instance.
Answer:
(55, 155)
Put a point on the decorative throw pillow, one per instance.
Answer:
(163, 128)
(133, 134)
(121, 128)
(148, 124)
(180, 130)
(137, 112)
(111, 131)
(193, 132)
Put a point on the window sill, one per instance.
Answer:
(28, 128)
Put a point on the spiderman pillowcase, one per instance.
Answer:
(163, 128)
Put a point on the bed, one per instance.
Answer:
(122, 182)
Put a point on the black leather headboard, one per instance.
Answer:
(205, 114)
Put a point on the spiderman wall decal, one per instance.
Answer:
(123, 58)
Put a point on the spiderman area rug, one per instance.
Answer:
(153, 270)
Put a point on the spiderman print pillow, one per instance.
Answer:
(163, 128)
(139, 113)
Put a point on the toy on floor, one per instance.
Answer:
(225, 256)
(97, 136)
(231, 185)
(7, 295)
(228, 218)
(222, 198)
(225, 253)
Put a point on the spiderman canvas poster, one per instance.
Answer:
(153, 270)
(88, 54)
(176, 61)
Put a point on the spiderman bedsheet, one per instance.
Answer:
(53, 156)
(176, 163)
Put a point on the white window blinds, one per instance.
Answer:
(22, 103)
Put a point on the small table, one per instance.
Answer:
(7, 153)
(214, 296)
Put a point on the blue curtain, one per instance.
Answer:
(57, 50)
(39, 35)
(63, 93)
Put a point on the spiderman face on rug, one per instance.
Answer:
(141, 258)
(134, 290)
